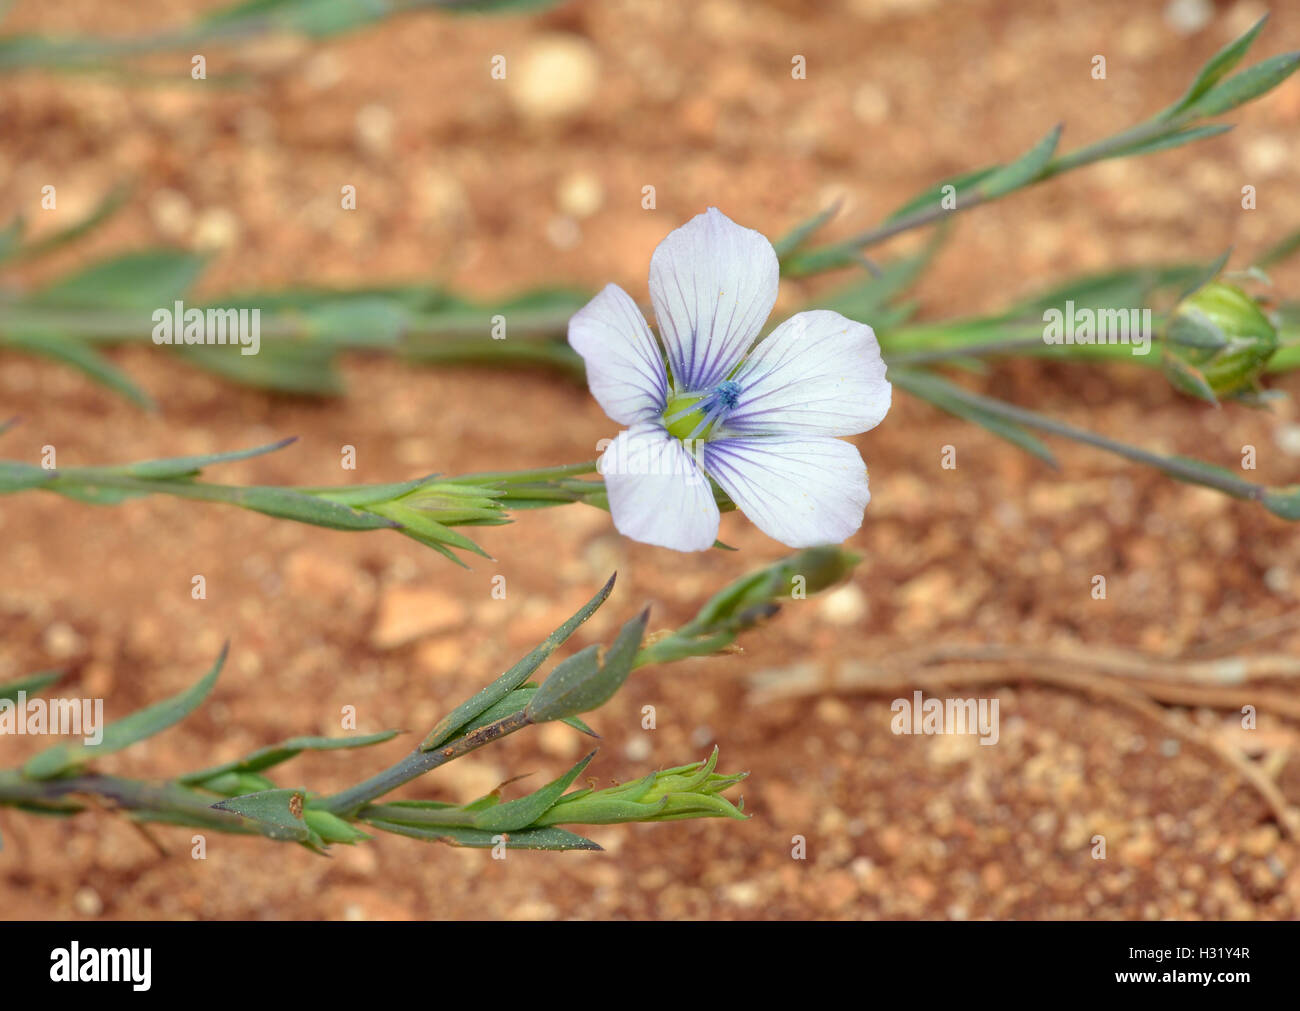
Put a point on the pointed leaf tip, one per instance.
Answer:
(586, 681)
(499, 689)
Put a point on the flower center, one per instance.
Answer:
(693, 415)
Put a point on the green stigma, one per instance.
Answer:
(687, 411)
(690, 416)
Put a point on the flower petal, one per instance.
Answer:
(657, 492)
(713, 284)
(625, 369)
(817, 373)
(799, 490)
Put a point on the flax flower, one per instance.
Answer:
(706, 404)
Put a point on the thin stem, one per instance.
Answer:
(974, 198)
(137, 796)
(522, 476)
(83, 53)
(1034, 346)
(1173, 466)
(55, 323)
(165, 801)
(348, 802)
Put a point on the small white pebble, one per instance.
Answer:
(846, 605)
(87, 902)
(563, 232)
(1287, 438)
(638, 748)
(580, 194)
(171, 212)
(1277, 579)
(61, 641)
(324, 70)
(216, 228)
(1187, 17)
(375, 126)
(557, 76)
(870, 105)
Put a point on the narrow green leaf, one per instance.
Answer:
(60, 758)
(801, 232)
(594, 809)
(1219, 64)
(112, 202)
(51, 809)
(30, 685)
(188, 466)
(425, 529)
(331, 828)
(1242, 88)
(508, 706)
(511, 704)
(316, 18)
(930, 198)
(946, 396)
(1173, 139)
(145, 279)
(282, 366)
(526, 839)
(363, 495)
(235, 784)
(265, 758)
(95, 494)
(290, 504)
(517, 814)
(383, 811)
(1208, 273)
(1024, 170)
(448, 726)
(1280, 251)
(865, 300)
(1126, 287)
(84, 358)
(583, 682)
(500, 6)
(358, 322)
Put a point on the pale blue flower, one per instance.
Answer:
(759, 420)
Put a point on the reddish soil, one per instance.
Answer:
(458, 181)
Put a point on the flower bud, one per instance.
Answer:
(451, 503)
(1217, 342)
(806, 572)
(688, 791)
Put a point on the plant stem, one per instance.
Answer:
(346, 803)
(974, 198)
(170, 799)
(109, 325)
(527, 476)
(140, 797)
(1174, 466)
